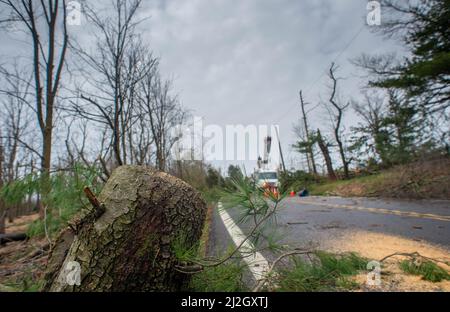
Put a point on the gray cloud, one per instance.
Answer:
(245, 61)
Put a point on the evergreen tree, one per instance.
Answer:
(234, 172)
(403, 128)
(424, 26)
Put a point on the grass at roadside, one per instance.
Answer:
(211, 195)
(359, 186)
(327, 272)
(428, 270)
(428, 179)
(204, 239)
(226, 277)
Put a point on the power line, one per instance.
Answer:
(323, 73)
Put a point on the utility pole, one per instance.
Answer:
(281, 151)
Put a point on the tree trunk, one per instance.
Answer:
(326, 156)
(130, 246)
(2, 205)
(160, 159)
(2, 218)
(343, 158)
(12, 237)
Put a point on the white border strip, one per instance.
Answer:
(256, 262)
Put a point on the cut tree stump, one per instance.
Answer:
(127, 241)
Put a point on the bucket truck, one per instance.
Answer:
(266, 176)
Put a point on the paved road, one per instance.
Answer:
(319, 220)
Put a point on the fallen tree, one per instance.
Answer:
(126, 242)
(12, 237)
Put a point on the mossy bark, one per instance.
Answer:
(130, 247)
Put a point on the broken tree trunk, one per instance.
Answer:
(126, 243)
(326, 155)
(12, 237)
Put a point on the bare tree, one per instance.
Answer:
(118, 63)
(14, 126)
(371, 128)
(45, 22)
(164, 113)
(337, 119)
(2, 204)
(326, 155)
(141, 141)
(310, 150)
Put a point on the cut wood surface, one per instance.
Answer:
(130, 246)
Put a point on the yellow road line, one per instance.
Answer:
(384, 211)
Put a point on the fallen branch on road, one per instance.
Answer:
(414, 255)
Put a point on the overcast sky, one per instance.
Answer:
(244, 61)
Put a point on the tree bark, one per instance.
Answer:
(2, 205)
(326, 156)
(2, 218)
(130, 246)
(338, 120)
(45, 169)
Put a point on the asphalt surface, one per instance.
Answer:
(320, 220)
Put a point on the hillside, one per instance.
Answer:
(419, 180)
